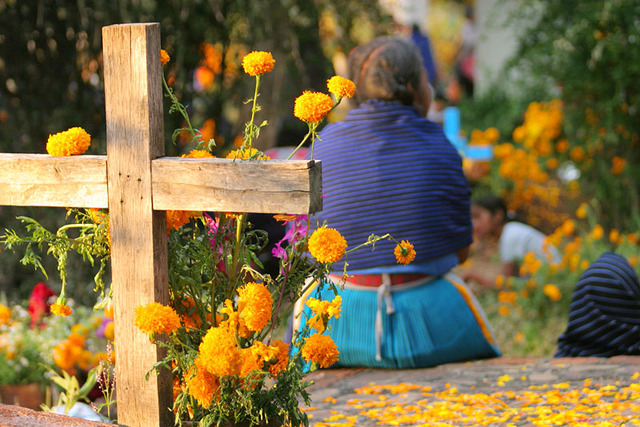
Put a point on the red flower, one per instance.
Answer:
(38, 302)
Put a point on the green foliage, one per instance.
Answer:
(28, 365)
(91, 243)
(591, 50)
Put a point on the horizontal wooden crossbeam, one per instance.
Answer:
(177, 183)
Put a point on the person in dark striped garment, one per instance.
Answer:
(387, 169)
(604, 318)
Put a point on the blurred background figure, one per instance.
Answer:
(604, 318)
(466, 60)
(491, 221)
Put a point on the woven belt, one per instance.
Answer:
(375, 280)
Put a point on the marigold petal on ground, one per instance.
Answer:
(404, 252)
(71, 142)
(258, 62)
(155, 318)
(320, 349)
(312, 107)
(341, 87)
(327, 245)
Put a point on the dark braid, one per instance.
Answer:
(383, 68)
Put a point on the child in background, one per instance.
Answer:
(491, 221)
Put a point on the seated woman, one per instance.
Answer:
(604, 319)
(515, 239)
(387, 169)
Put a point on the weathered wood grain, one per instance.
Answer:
(224, 185)
(133, 98)
(42, 180)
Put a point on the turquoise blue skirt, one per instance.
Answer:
(407, 327)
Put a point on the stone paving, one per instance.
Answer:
(333, 393)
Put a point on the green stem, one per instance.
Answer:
(300, 145)
(248, 140)
(253, 110)
(372, 241)
(236, 253)
(179, 106)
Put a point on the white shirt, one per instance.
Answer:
(517, 239)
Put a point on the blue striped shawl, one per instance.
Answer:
(604, 319)
(385, 169)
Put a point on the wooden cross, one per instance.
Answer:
(137, 184)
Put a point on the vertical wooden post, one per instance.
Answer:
(133, 98)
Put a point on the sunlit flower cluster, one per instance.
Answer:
(323, 311)
(177, 219)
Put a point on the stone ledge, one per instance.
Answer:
(16, 416)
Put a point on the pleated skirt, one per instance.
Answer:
(434, 323)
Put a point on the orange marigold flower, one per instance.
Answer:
(568, 227)
(256, 63)
(324, 310)
(5, 315)
(282, 356)
(255, 305)
(219, 353)
(341, 87)
(581, 212)
(503, 311)
(109, 332)
(404, 252)
(155, 318)
(577, 154)
(201, 384)
(614, 236)
(250, 363)
(176, 219)
(491, 134)
(552, 292)
(164, 57)
(327, 245)
(71, 142)
(247, 154)
(199, 154)
(618, 165)
(320, 349)
(254, 357)
(312, 107)
(60, 309)
(597, 232)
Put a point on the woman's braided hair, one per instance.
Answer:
(383, 69)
